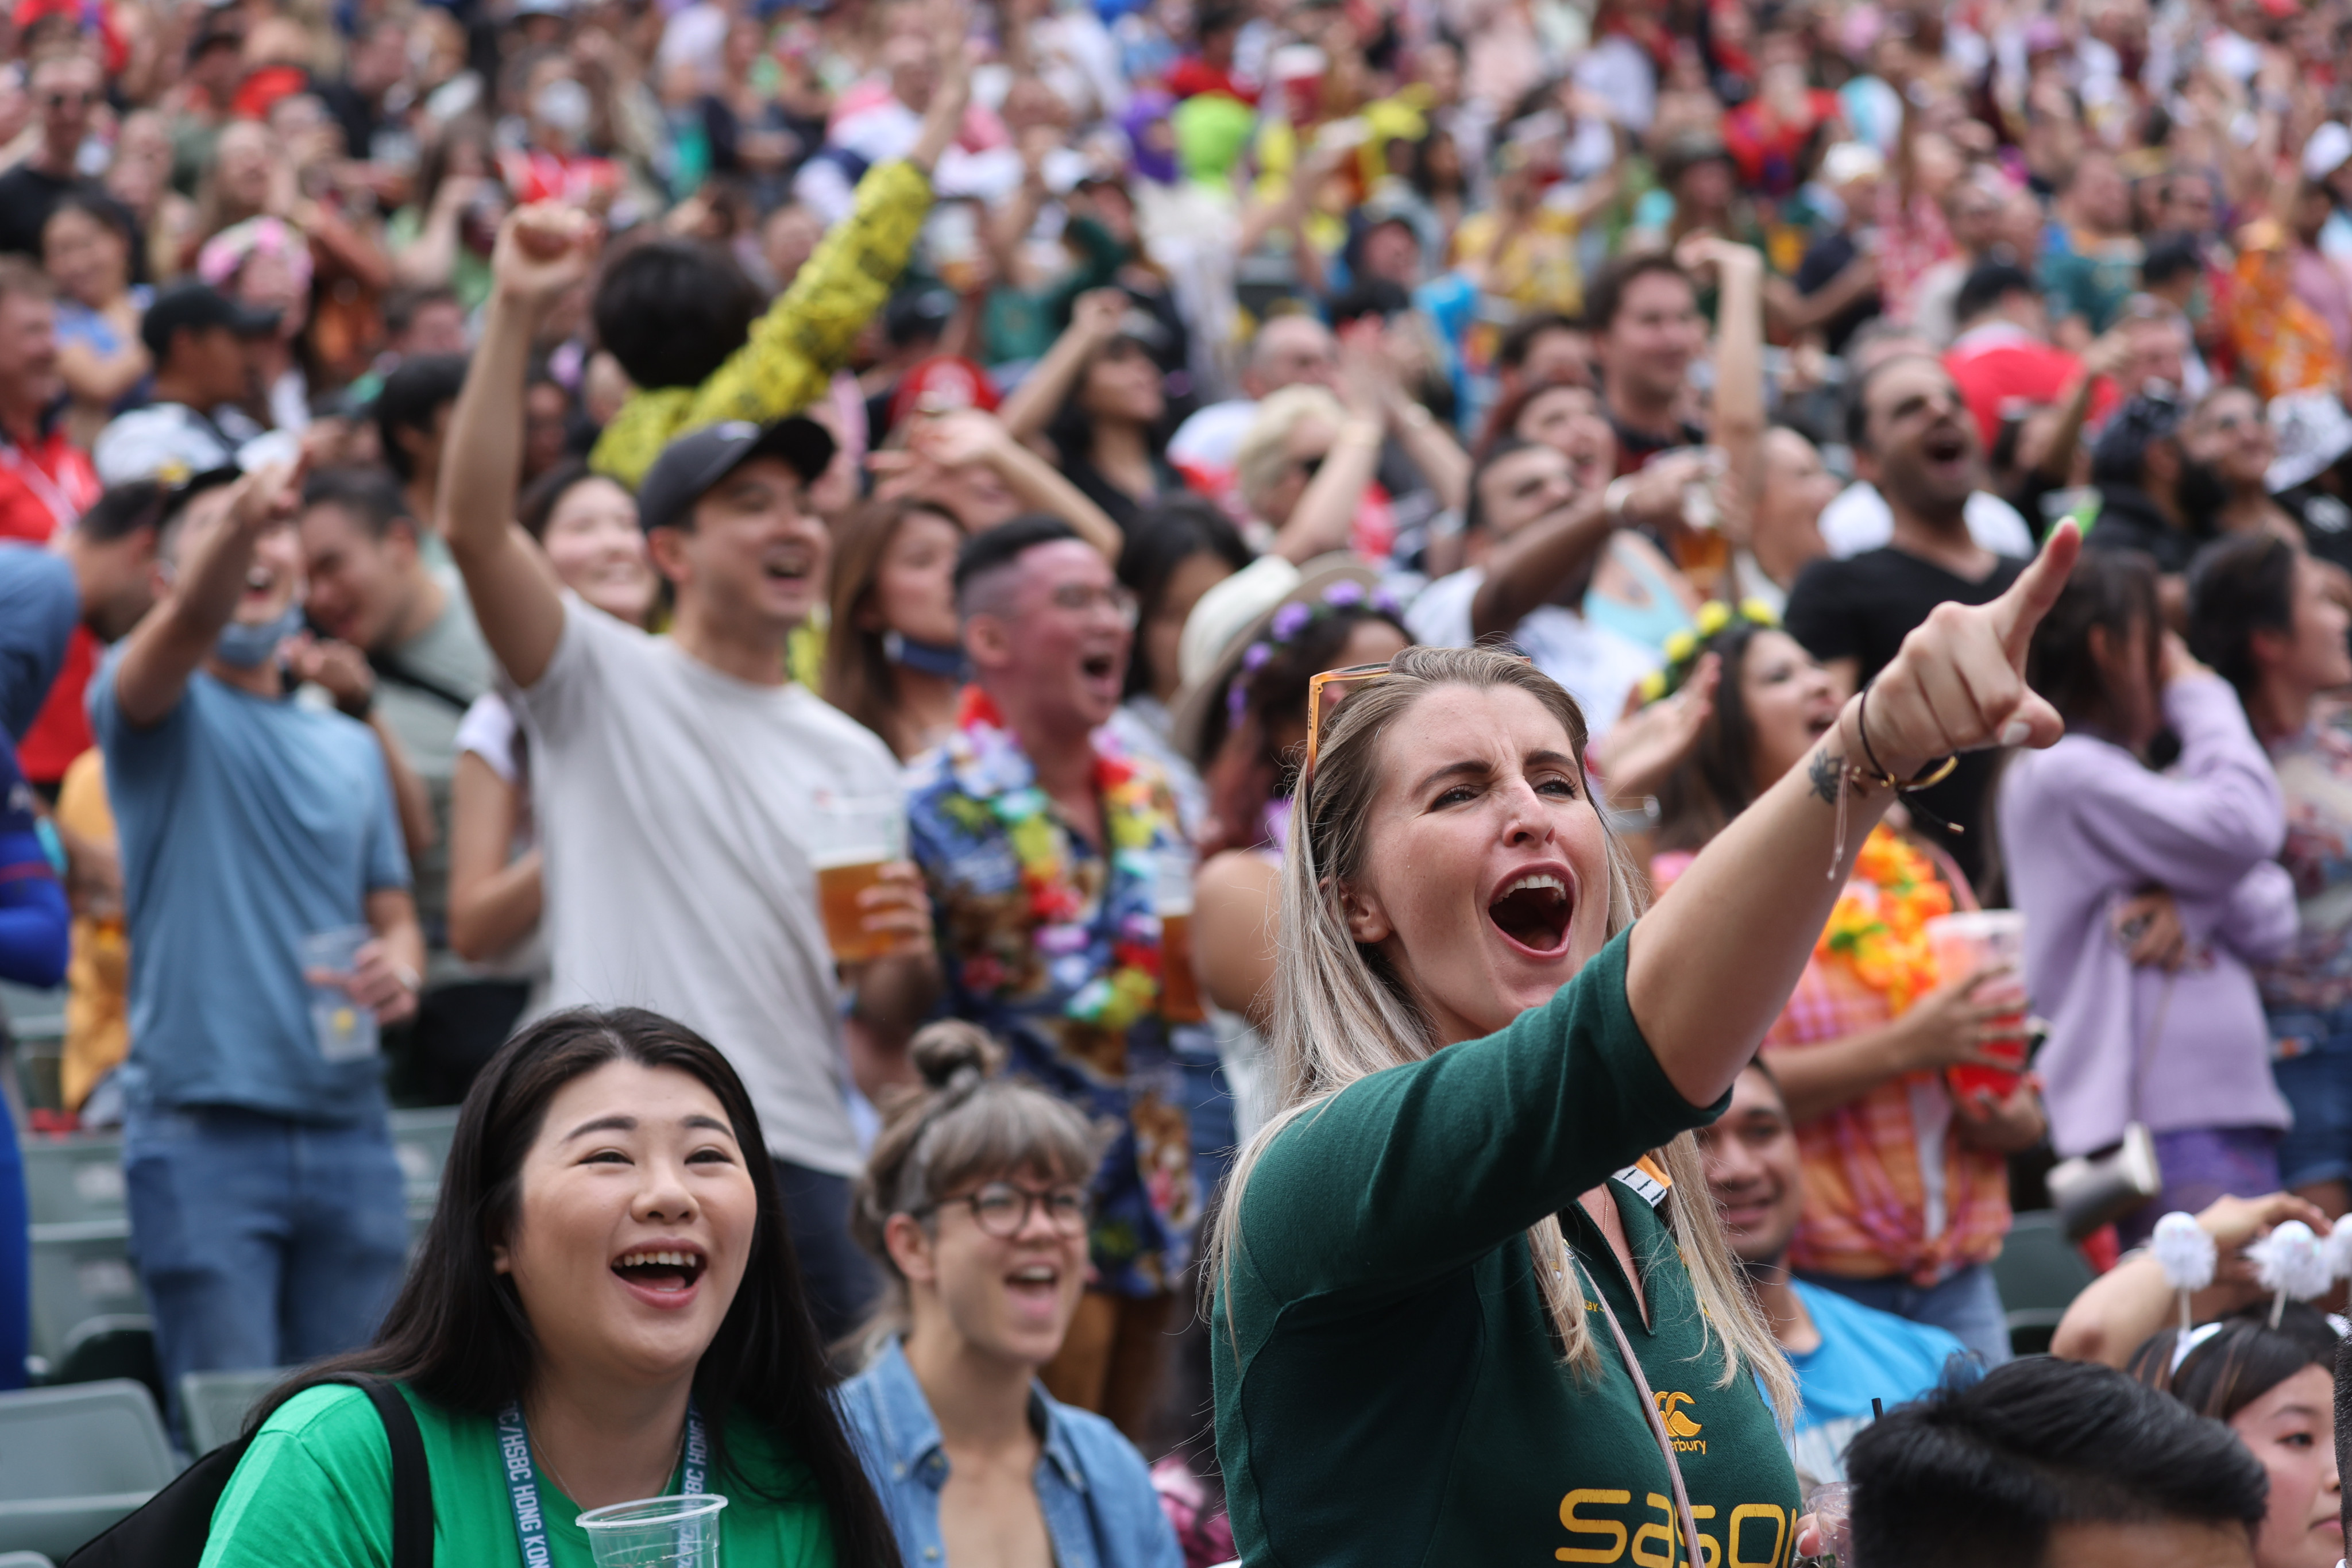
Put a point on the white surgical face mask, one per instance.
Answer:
(564, 104)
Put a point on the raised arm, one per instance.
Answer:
(1738, 423)
(542, 250)
(1093, 318)
(973, 436)
(1751, 904)
(215, 551)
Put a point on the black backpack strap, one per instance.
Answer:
(412, 1479)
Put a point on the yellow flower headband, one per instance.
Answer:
(1683, 649)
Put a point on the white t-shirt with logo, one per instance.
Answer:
(675, 804)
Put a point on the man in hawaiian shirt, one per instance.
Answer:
(1043, 845)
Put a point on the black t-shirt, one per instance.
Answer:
(1861, 608)
(2128, 520)
(1827, 258)
(1635, 447)
(27, 197)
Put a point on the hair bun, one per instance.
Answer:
(953, 1052)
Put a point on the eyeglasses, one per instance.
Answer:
(1002, 1209)
(1077, 598)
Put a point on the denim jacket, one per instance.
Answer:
(1100, 1510)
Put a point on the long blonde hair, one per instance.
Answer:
(1341, 1014)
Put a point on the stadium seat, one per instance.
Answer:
(82, 1270)
(213, 1404)
(73, 1461)
(2039, 1274)
(73, 1178)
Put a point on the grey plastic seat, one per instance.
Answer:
(213, 1404)
(74, 1459)
(2039, 1274)
(25, 1560)
(420, 1139)
(82, 1270)
(73, 1178)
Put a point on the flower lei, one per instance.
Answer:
(999, 778)
(1293, 619)
(1883, 938)
(1683, 647)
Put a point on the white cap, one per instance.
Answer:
(2311, 431)
(1227, 610)
(2329, 147)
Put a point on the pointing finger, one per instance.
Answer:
(2016, 613)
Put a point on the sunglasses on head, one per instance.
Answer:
(1353, 675)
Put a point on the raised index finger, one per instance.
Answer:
(2016, 613)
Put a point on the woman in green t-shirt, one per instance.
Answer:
(1471, 1301)
(605, 1308)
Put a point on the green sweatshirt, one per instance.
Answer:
(316, 1490)
(1389, 1389)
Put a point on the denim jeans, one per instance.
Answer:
(2311, 1057)
(262, 1242)
(1967, 1305)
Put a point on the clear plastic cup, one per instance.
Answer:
(659, 1532)
(856, 836)
(344, 1030)
(1974, 940)
(1180, 986)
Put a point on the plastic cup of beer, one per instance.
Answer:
(1964, 944)
(857, 836)
(659, 1532)
(344, 1030)
(1180, 986)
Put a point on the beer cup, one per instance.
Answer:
(1180, 987)
(856, 836)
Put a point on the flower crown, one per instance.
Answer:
(1684, 648)
(1291, 622)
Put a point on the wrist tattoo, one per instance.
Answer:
(1826, 771)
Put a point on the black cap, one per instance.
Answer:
(690, 465)
(2130, 431)
(196, 307)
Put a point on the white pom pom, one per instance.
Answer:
(2338, 1246)
(2291, 1258)
(2185, 1251)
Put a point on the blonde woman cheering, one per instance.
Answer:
(1471, 1301)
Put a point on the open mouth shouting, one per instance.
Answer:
(791, 566)
(1945, 448)
(1532, 910)
(666, 1275)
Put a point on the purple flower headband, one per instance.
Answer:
(1292, 620)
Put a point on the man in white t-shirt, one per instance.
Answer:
(1288, 350)
(676, 778)
(1532, 538)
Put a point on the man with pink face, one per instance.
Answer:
(1045, 846)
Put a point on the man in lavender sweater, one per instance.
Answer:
(2087, 825)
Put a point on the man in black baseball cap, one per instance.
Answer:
(196, 335)
(2154, 495)
(681, 782)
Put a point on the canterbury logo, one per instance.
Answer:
(1670, 1410)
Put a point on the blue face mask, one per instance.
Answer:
(242, 646)
(944, 661)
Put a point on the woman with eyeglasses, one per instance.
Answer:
(1472, 1300)
(974, 1204)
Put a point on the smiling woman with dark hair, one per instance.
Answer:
(608, 1278)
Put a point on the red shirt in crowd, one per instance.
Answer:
(43, 486)
(1998, 363)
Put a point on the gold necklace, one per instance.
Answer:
(539, 1454)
